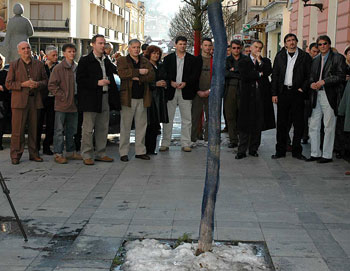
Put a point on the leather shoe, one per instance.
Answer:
(240, 155)
(232, 145)
(254, 153)
(186, 149)
(124, 158)
(312, 158)
(47, 152)
(143, 157)
(88, 162)
(324, 160)
(104, 159)
(163, 148)
(14, 161)
(36, 159)
(299, 157)
(278, 155)
(152, 153)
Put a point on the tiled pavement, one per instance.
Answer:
(300, 209)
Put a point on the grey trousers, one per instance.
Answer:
(127, 114)
(95, 124)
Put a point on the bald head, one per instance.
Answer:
(24, 50)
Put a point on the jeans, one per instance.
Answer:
(65, 125)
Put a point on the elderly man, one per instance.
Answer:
(135, 72)
(47, 114)
(26, 77)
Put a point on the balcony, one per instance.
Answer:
(50, 25)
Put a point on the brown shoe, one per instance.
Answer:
(186, 149)
(60, 159)
(36, 159)
(14, 161)
(88, 162)
(163, 148)
(74, 156)
(104, 159)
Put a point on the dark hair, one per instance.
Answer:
(237, 42)
(258, 41)
(207, 39)
(144, 46)
(312, 45)
(94, 38)
(347, 49)
(182, 38)
(325, 38)
(247, 45)
(152, 49)
(290, 35)
(68, 45)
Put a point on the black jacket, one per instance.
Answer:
(89, 93)
(190, 75)
(249, 118)
(301, 72)
(231, 62)
(334, 74)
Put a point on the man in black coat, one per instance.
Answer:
(96, 92)
(290, 75)
(327, 85)
(181, 70)
(255, 108)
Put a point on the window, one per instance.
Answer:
(46, 12)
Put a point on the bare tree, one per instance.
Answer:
(182, 24)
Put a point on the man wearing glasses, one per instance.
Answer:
(290, 84)
(231, 91)
(326, 83)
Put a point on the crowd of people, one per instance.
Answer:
(75, 99)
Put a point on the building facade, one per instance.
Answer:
(309, 22)
(57, 22)
(137, 20)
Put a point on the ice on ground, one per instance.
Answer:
(151, 255)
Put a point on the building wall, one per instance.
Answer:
(334, 21)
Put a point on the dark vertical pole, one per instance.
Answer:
(215, 101)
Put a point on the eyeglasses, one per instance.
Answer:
(324, 43)
(234, 48)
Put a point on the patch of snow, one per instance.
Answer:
(151, 255)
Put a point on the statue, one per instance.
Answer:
(19, 28)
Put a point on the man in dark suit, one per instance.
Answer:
(94, 75)
(182, 75)
(290, 75)
(256, 109)
(25, 79)
(327, 85)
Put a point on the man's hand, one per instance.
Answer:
(181, 85)
(314, 86)
(320, 84)
(136, 79)
(161, 83)
(300, 90)
(232, 69)
(143, 71)
(258, 57)
(275, 99)
(1, 88)
(103, 82)
(26, 84)
(173, 84)
(33, 84)
(203, 93)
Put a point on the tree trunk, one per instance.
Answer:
(215, 101)
(197, 42)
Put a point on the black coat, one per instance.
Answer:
(189, 75)
(89, 93)
(5, 96)
(301, 72)
(158, 111)
(334, 74)
(255, 109)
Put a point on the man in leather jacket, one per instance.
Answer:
(326, 83)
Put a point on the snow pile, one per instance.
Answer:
(151, 255)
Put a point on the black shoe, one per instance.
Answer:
(311, 159)
(299, 157)
(152, 153)
(278, 155)
(143, 157)
(1, 148)
(240, 155)
(232, 145)
(47, 152)
(304, 141)
(124, 158)
(324, 160)
(254, 153)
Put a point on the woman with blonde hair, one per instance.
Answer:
(5, 99)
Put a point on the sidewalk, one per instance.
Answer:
(78, 215)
